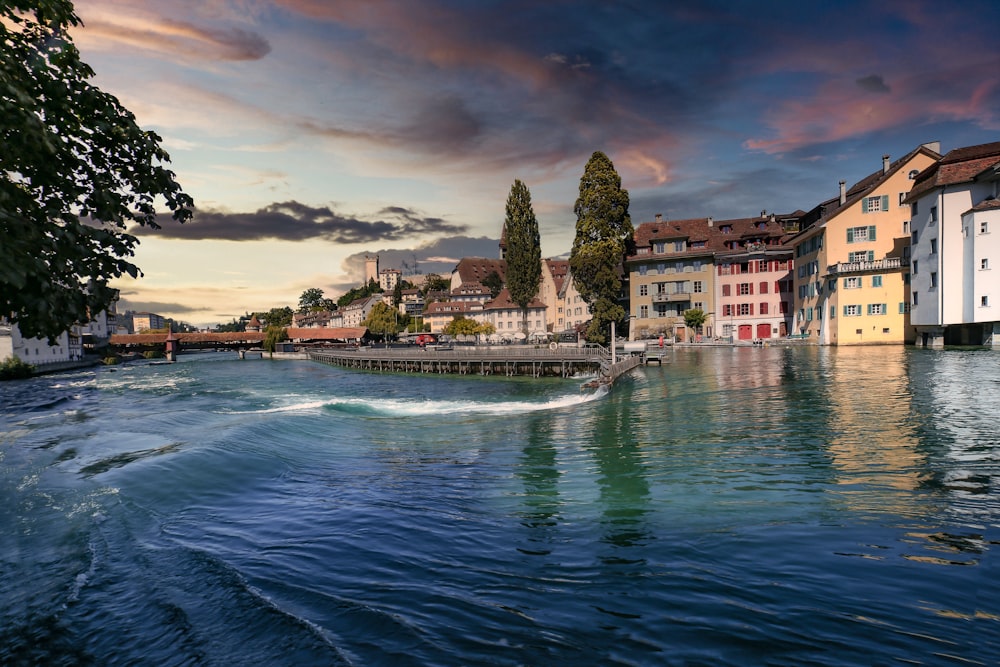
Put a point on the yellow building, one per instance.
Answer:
(852, 259)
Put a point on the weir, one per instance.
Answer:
(508, 361)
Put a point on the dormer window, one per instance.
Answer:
(726, 229)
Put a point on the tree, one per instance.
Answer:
(359, 293)
(603, 239)
(382, 319)
(397, 293)
(461, 325)
(494, 283)
(277, 317)
(694, 318)
(272, 336)
(486, 329)
(524, 250)
(435, 283)
(312, 299)
(75, 171)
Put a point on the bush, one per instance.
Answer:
(152, 354)
(111, 361)
(13, 368)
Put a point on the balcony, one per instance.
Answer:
(886, 264)
(664, 297)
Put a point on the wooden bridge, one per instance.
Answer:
(505, 360)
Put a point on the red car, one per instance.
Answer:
(424, 339)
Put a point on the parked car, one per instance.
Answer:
(425, 339)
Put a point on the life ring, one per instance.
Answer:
(553, 345)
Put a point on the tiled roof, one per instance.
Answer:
(559, 268)
(713, 234)
(503, 302)
(452, 307)
(475, 269)
(990, 204)
(327, 333)
(958, 166)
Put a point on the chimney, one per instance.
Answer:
(659, 217)
(885, 164)
(934, 146)
(763, 214)
(710, 221)
(843, 193)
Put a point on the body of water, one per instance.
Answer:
(732, 507)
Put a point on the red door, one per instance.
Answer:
(763, 330)
(746, 332)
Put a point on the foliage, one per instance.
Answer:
(524, 250)
(273, 335)
(276, 317)
(382, 319)
(486, 329)
(13, 368)
(111, 361)
(75, 171)
(359, 293)
(312, 299)
(232, 327)
(435, 283)
(694, 318)
(494, 283)
(152, 354)
(461, 325)
(604, 236)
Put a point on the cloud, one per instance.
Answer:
(872, 84)
(438, 256)
(294, 221)
(156, 307)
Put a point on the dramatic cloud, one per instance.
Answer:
(439, 256)
(293, 221)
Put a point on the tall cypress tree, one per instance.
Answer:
(604, 236)
(524, 251)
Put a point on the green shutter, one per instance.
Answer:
(871, 255)
(850, 235)
(871, 232)
(885, 309)
(845, 311)
(869, 309)
(864, 205)
(885, 202)
(902, 307)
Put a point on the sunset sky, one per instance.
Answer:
(312, 132)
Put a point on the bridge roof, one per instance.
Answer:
(294, 333)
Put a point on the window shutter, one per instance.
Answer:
(901, 305)
(864, 205)
(751, 309)
(885, 202)
(850, 235)
(869, 309)
(750, 286)
(885, 309)
(871, 255)
(871, 232)
(845, 311)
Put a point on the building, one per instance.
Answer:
(371, 268)
(67, 346)
(439, 314)
(550, 292)
(388, 279)
(357, 311)
(509, 319)
(146, 322)
(954, 217)
(852, 273)
(477, 270)
(755, 297)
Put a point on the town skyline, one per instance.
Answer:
(312, 135)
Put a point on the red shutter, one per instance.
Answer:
(725, 290)
(750, 285)
(751, 309)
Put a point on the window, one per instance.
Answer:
(745, 309)
(906, 278)
(915, 299)
(643, 290)
(833, 312)
(933, 246)
(885, 330)
(643, 312)
(861, 256)
(984, 263)
(902, 196)
(984, 301)
(914, 267)
(876, 281)
(913, 209)
(699, 305)
(696, 265)
(913, 237)
(783, 307)
(698, 287)
(831, 284)
(744, 289)
(678, 246)
(809, 314)
(660, 268)
(642, 269)
(933, 214)
(762, 266)
(852, 310)
(659, 248)
(853, 282)
(876, 309)
(860, 234)
(727, 290)
(933, 279)
(913, 174)
(763, 308)
(875, 204)
(984, 227)
(903, 307)
(727, 310)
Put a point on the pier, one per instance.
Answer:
(564, 362)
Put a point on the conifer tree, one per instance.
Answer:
(524, 251)
(604, 236)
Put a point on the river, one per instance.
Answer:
(736, 506)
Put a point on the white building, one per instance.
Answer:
(357, 311)
(955, 249)
(388, 279)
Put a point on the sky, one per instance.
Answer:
(311, 133)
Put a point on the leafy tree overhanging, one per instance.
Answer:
(75, 170)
